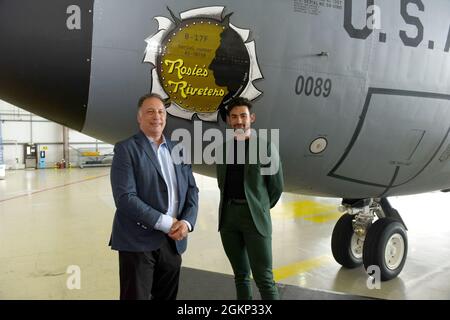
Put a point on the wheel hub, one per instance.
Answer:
(356, 246)
(394, 252)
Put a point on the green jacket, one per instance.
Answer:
(262, 191)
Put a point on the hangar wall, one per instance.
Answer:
(20, 128)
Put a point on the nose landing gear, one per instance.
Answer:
(372, 233)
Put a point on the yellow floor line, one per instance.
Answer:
(300, 267)
(307, 209)
(323, 218)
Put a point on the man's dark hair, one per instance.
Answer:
(148, 96)
(239, 102)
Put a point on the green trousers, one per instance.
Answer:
(248, 251)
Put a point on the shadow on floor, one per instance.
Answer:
(205, 285)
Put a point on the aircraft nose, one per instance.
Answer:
(45, 57)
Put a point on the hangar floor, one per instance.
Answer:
(53, 219)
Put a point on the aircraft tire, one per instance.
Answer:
(386, 246)
(341, 243)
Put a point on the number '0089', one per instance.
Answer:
(313, 86)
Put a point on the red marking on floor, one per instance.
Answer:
(52, 188)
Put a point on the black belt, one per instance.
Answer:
(238, 201)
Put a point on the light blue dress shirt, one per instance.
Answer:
(162, 152)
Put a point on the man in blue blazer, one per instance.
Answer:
(157, 204)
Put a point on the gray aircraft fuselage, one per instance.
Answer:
(359, 90)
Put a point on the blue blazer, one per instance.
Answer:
(141, 196)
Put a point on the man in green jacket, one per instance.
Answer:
(247, 192)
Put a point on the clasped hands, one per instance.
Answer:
(179, 230)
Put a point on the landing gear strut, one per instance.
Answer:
(372, 233)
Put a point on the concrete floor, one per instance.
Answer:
(52, 219)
